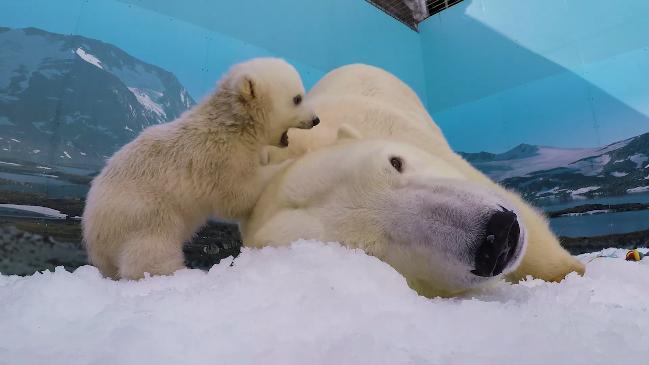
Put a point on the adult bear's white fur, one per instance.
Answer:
(322, 196)
(160, 188)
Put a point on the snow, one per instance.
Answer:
(36, 209)
(638, 159)
(147, 102)
(552, 191)
(619, 174)
(590, 212)
(591, 166)
(88, 58)
(9, 163)
(639, 189)
(547, 158)
(322, 304)
(587, 161)
(583, 190)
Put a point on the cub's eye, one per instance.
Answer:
(297, 99)
(397, 163)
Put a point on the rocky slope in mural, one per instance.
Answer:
(541, 172)
(73, 100)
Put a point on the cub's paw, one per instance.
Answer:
(272, 155)
(346, 131)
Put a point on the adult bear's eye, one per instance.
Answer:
(297, 99)
(397, 163)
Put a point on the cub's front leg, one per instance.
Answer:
(273, 155)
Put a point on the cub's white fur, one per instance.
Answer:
(160, 188)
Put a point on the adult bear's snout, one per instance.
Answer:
(500, 242)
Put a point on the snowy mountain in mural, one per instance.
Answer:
(74, 100)
(546, 172)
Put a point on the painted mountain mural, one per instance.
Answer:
(544, 174)
(71, 100)
(66, 104)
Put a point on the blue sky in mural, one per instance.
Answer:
(195, 55)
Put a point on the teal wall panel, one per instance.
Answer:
(578, 65)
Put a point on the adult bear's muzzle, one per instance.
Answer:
(461, 233)
(499, 244)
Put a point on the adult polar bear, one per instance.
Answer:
(378, 174)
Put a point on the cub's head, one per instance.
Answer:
(272, 92)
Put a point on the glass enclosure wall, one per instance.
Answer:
(80, 78)
(552, 101)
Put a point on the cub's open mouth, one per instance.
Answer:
(284, 140)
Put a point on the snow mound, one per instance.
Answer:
(314, 303)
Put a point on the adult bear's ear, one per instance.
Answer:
(346, 131)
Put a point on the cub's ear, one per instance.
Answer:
(346, 131)
(246, 87)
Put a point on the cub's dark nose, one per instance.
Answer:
(315, 121)
(499, 244)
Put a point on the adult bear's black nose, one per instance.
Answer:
(315, 121)
(499, 244)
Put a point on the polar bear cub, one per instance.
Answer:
(156, 191)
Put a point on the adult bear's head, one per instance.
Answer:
(411, 209)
